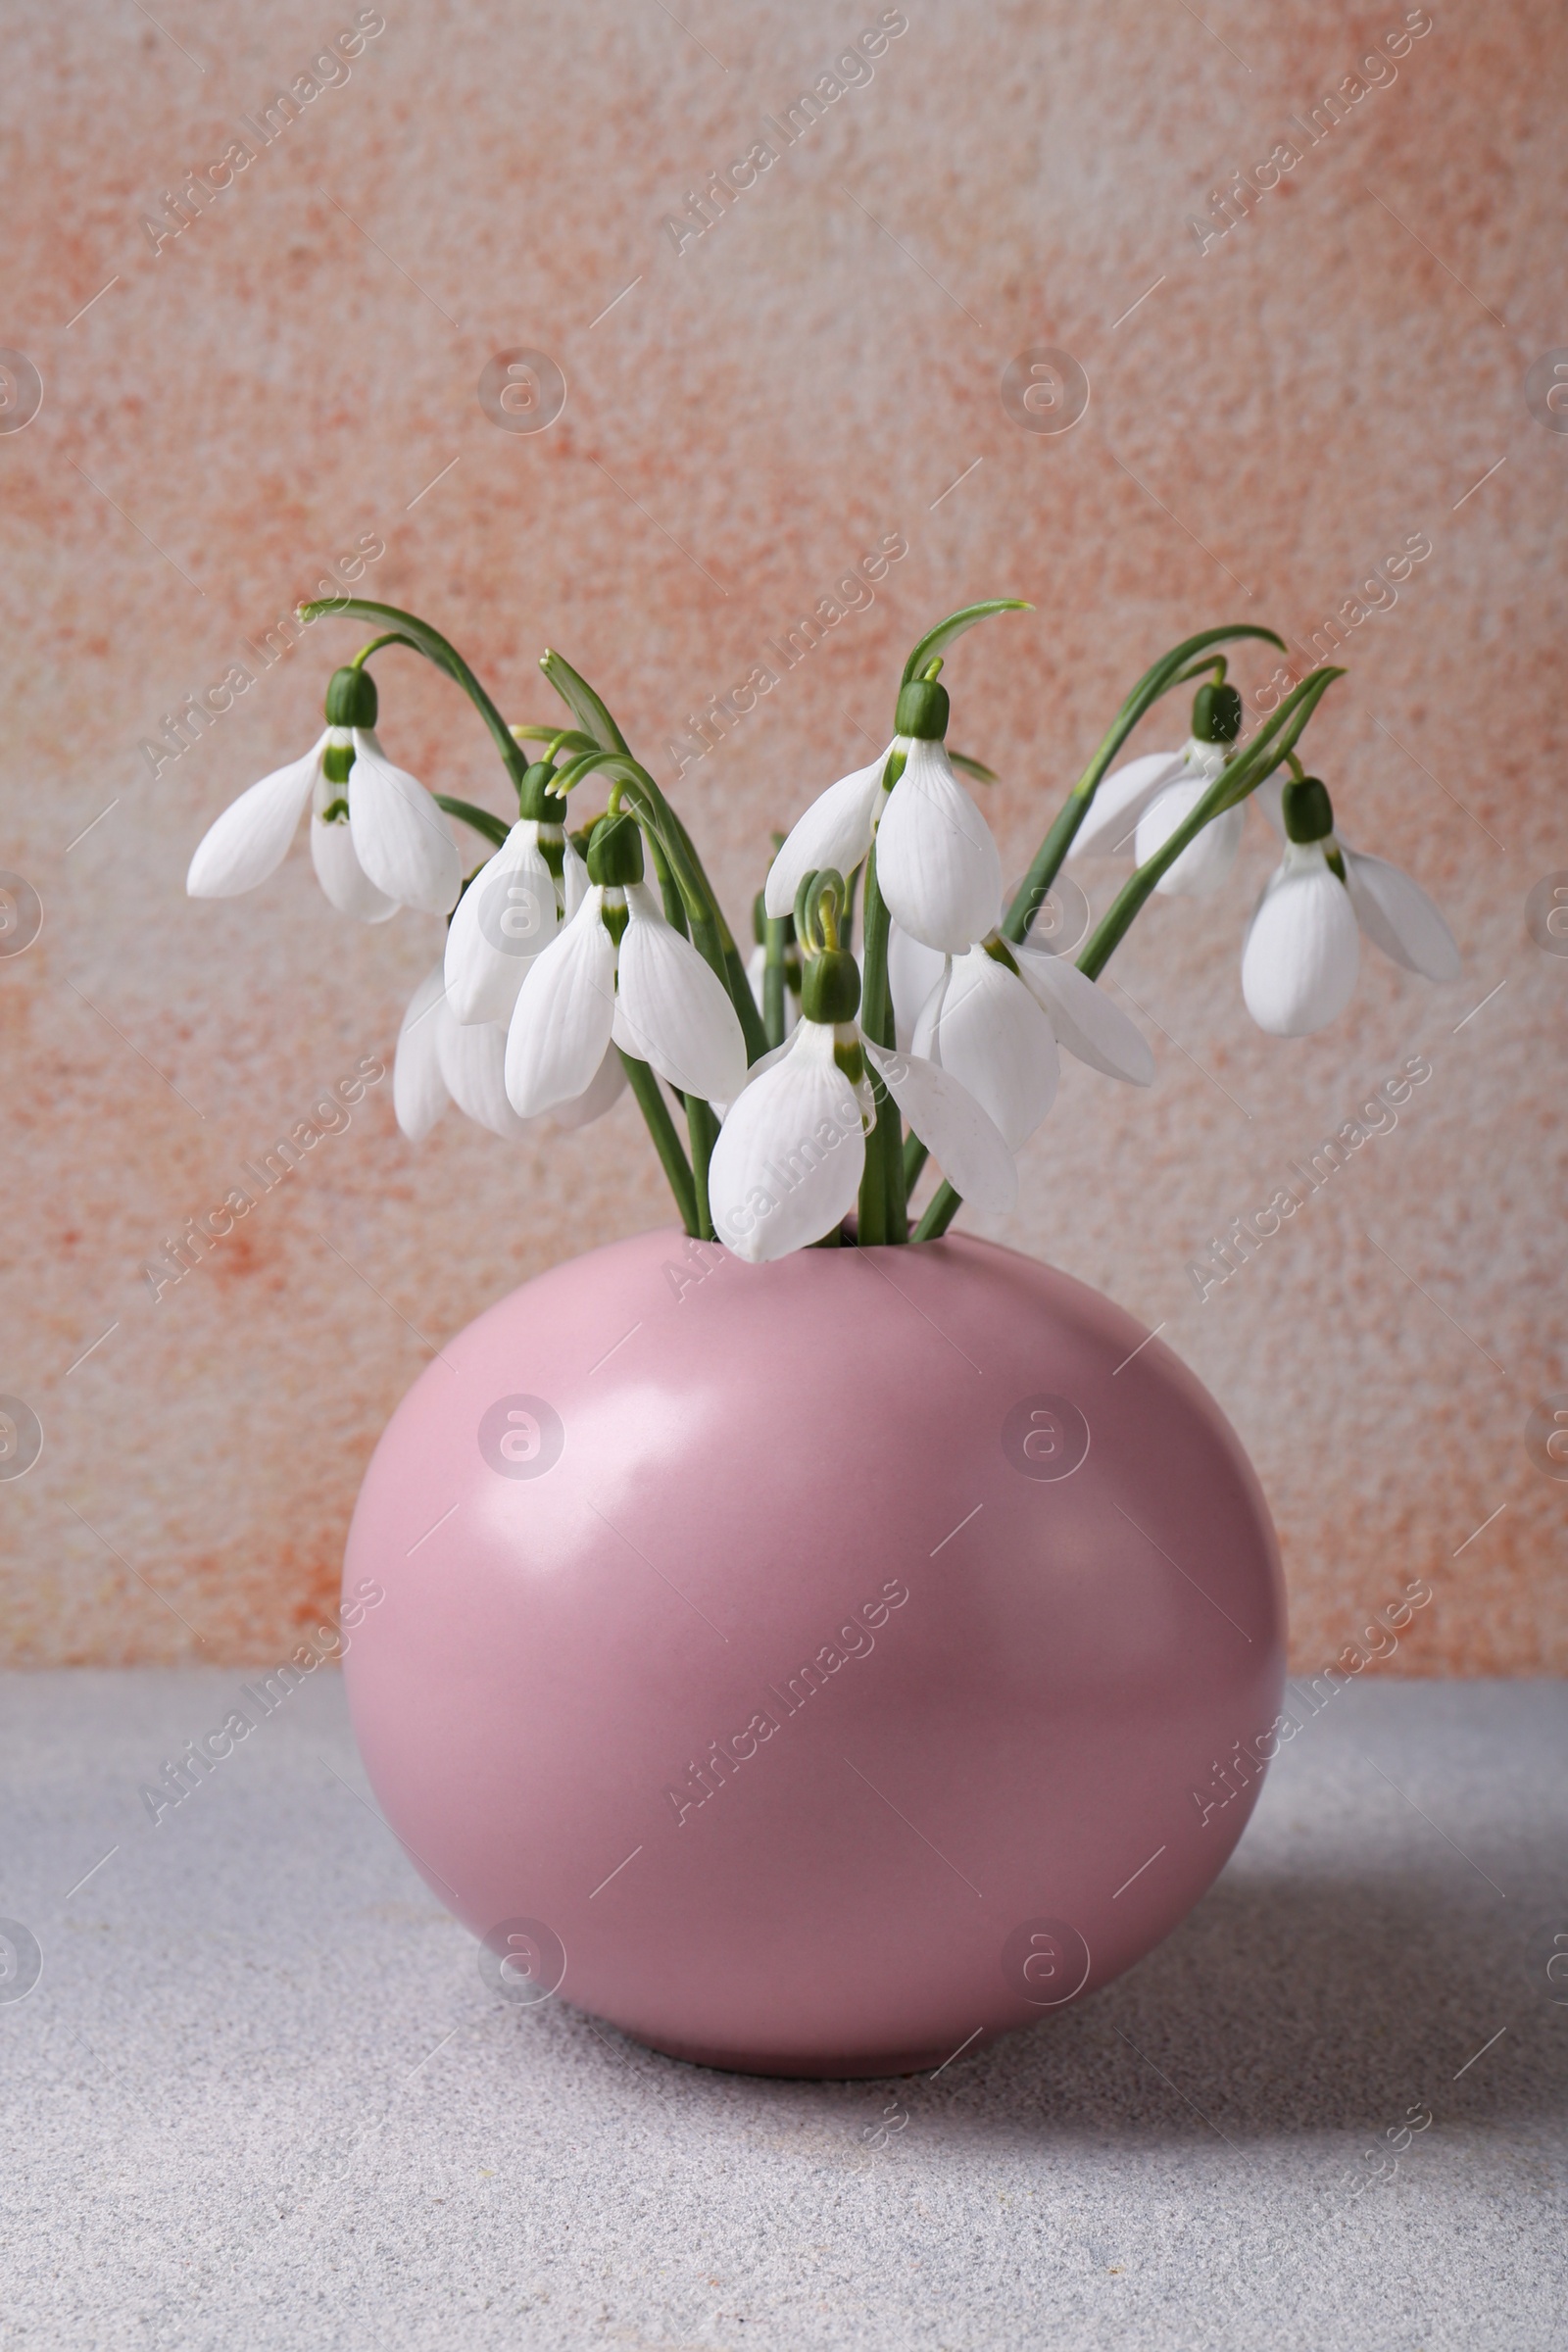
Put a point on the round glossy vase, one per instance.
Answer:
(813, 1668)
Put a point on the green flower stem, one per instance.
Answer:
(407, 629)
(392, 637)
(1167, 672)
(710, 933)
(943, 1206)
(882, 1216)
(702, 1128)
(915, 1157)
(734, 971)
(1269, 749)
(775, 986)
(667, 1142)
(668, 887)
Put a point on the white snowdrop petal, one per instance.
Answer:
(506, 915)
(250, 839)
(1205, 862)
(788, 1162)
(400, 836)
(418, 1090)
(1083, 1017)
(574, 880)
(1120, 801)
(607, 1087)
(560, 1024)
(937, 864)
(343, 879)
(1302, 951)
(913, 971)
(1398, 918)
(474, 1057)
(962, 1139)
(1270, 797)
(674, 1012)
(982, 1025)
(835, 831)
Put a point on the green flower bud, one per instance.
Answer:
(922, 711)
(1216, 714)
(1307, 811)
(615, 852)
(536, 800)
(831, 988)
(351, 700)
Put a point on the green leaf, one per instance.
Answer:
(591, 714)
(565, 739)
(938, 640)
(973, 767)
(494, 828)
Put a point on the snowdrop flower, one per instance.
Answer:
(1303, 949)
(1391, 908)
(1146, 800)
(789, 1159)
(936, 865)
(1205, 862)
(440, 1060)
(513, 907)
(618, 972)
(343, 879)
(395, 849)
(996, 1017)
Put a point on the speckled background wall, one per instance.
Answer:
(1273, 410)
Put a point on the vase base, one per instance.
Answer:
(831, 2066)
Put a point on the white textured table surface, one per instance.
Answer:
(259, 2095)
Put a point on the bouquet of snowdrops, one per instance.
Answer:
(815, 1079)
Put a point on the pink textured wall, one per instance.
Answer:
(1282, 409)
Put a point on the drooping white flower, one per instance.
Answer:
(418, 1090)
(1205, 862)
(249, 841)
(401, 838)
(1397, 916)
(652, 994)
(937, 862)
(1138, 807)
(398, 850)
(995, 1019)
(913, 971)
(989, 1031)
(1128, 798)
(1391, 908)
(440, 1060)
(338, 870)
(508, 914)
(1083, 1017)
(835, 833)
(1303, 949)
(790, 1157)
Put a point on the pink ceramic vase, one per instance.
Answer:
(813, 1668)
